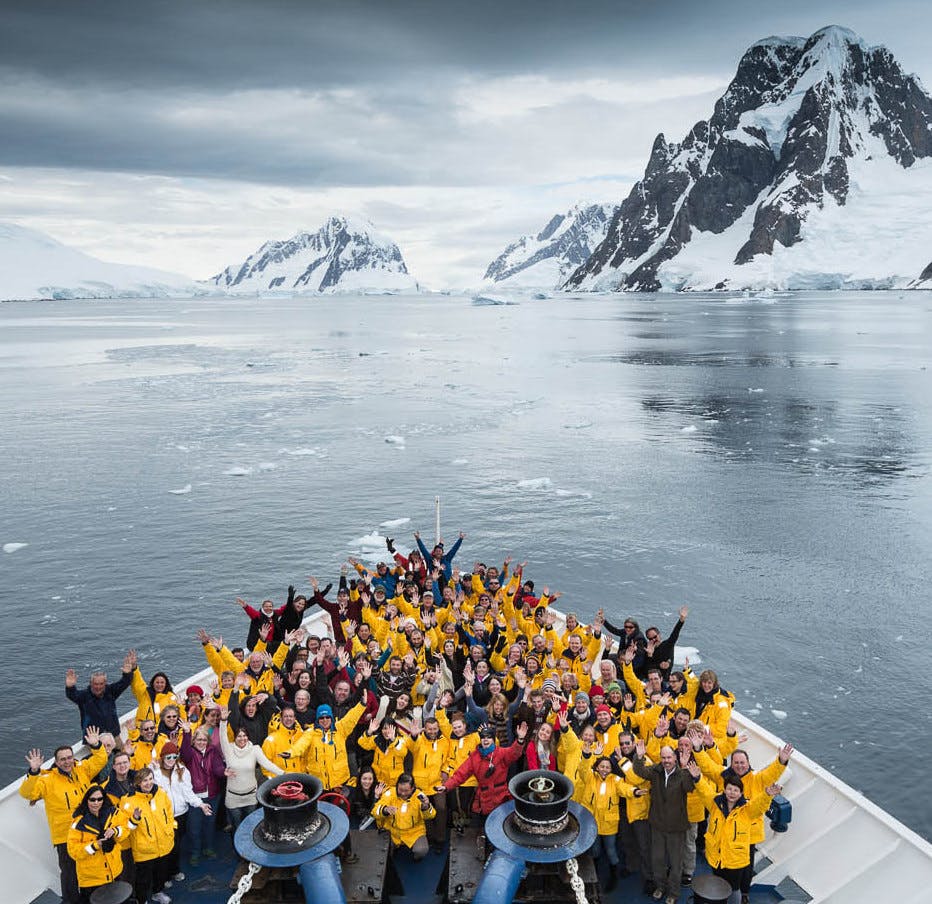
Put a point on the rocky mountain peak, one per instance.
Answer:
(545, 259)
(342, 255)
(779, 144)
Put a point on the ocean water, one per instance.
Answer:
(764, 460)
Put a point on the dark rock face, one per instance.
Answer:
(927, 273)
(778, 142)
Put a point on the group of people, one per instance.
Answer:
(433, 687)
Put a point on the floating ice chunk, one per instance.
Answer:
(753, 712)
(183, 491)
(394, 440)
(237, 471)
(181, 448)
(585, 425)
(48, 620)
(370, 541)
(758, 389)
(690, 429)
(898, 638)
(574, 493)
(267, 466)
(460, 461)
(535, 483)
(299, 452)
(395, 522)
(778, 714)
(12, 547)
(680, 655)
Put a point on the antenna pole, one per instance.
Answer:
(437, 518)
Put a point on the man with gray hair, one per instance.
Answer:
(97, 702)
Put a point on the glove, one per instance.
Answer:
(107, 845)
(290, 594)
(390, 544)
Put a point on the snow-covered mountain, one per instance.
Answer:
(34, 265)
(546, 259)
(814, 171)
(342, 256)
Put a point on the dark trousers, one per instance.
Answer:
(461, 800)
(70, 894)
(174, 858)
(731, 876)
(640, 831)
(151, 876)
(747, 874)
(667, 859)
(437, 827)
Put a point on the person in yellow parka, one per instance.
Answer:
(753, 782)
(404, 811)
(277, 746)
(602, 795)
(153, 697)
(154, 837)
(390, 749)
(731, 817)
(323, 747)
(430, 751)
(94, 840)
(61, 789)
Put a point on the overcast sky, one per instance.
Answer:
(182, 135)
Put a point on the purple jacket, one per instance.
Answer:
(207, 768)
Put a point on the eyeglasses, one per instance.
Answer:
(629, 627)
(653, 637)
(170, 756)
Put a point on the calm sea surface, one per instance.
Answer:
(764, 460)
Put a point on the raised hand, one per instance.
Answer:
(663, 726)
(34, 758)
(521, 731)
(71, 678)
(684, 611)
(694, 769)
(265, 631)
(773, 789)
(785, 753)
(137, 814)
(92, 736)
(380, 789)
(685, 757)
(313, 582)
(241, 602)
(639, 748)
(224, 713)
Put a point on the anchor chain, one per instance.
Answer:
(575, 882)
(244, 884)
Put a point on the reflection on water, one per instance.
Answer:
(867, 442)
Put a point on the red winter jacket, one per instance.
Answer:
(493, 786)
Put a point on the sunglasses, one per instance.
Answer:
(95, 800)
(170, 756)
